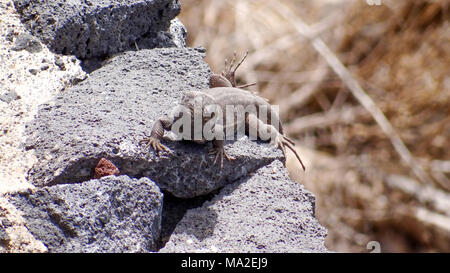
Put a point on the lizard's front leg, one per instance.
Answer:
(219, 152)
(218, 143)
(157, 134)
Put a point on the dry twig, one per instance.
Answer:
(425, 194)
(441, 165)
(357, 91)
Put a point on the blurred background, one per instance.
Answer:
(364, 90)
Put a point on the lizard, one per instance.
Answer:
(222, 92)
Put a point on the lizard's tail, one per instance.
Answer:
(289, 143)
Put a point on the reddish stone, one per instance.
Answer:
(105, 168)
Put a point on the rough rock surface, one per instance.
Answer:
(105, 116)
(110, 112)
(111, 214)
(179, 33)
(28, 78)
(98, 28)
(27, 42)
(264, 212)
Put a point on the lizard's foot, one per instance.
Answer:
(155, 143)
(219, 153)
(282, 142)
(229, 72)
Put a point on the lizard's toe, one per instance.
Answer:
(279, 143)
(158, 146)
(219, 154)
(283, 142)
(229, 158)
(155, 143)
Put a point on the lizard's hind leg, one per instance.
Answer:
(227, 78)
(283, 142)
(230, 73)
(277, 139)
(288, 144)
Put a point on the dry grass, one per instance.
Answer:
(399, 54)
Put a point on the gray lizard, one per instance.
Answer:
(222, 96)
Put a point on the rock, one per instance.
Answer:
(27, 42)
(33, 71)
(59, 62)
(45, 67)
(4, 238)
(10, 36)
(174, 209)
(178, 32)
(105, 168)
(9, 96)
(105, 116)
(110, 112)
(98, 28)
(263, 212)
(111, 214)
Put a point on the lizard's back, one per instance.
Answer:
(235, 96)
(231, 96)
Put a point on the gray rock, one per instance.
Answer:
(27, 42)
(45, 67)
(98, 28)
(33, 71)
(59, 62)
(111, 214)
(10, 36)
(110, 112)
(174, 209)
(178, 32)
(9, 96)
(4, 238)
(264, 212)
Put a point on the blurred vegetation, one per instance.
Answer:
(399, 53)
